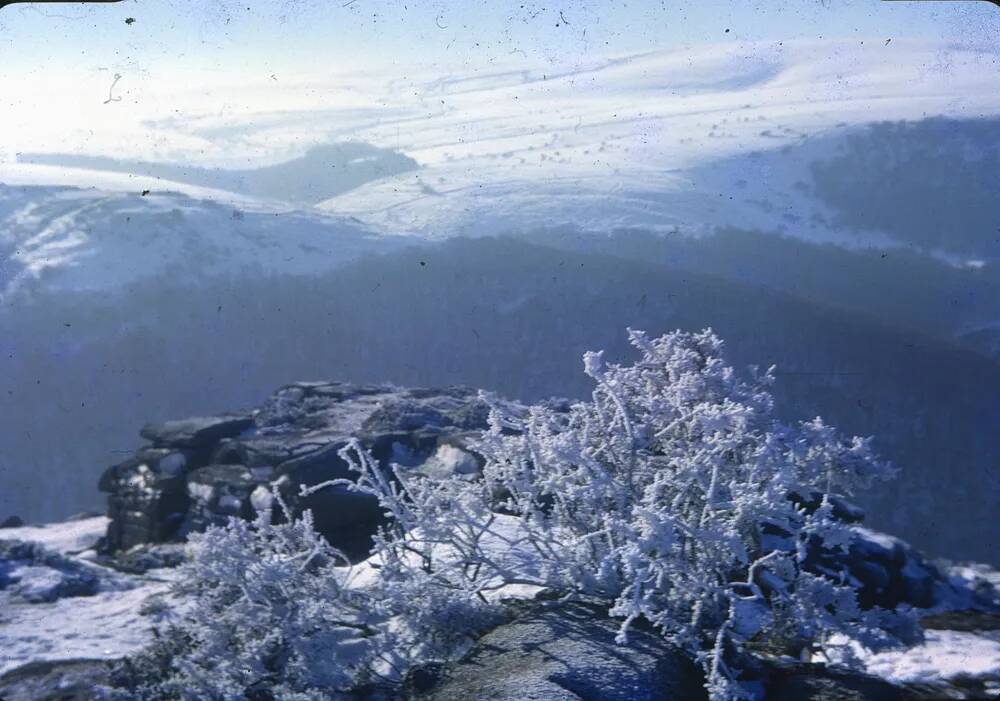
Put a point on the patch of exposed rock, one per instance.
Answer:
(32, 574)
(63, 680)
(567, 653)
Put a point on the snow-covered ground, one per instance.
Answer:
(945, 655)
(114, 622)
(66, 538)
(107, 625)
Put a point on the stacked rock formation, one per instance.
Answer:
(200, 471)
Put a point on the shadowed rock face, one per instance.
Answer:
(553, 651)
(198, 432)
(568, 653)
(201, 471)
(66, 680)
(811, 682)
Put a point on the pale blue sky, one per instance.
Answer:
(283, 34)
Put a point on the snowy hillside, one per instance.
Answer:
(648, 141)
(686, 139)
(322, 172)
(66, 238)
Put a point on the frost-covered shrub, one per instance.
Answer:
(673, 494)
(266, 607)
(274, 612)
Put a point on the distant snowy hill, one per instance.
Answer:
(321, 173)
(66, 238)
(685, 139)
(682, 140)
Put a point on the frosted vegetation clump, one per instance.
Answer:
(673, 494)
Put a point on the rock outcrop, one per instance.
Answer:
(566, 653)
(196, 472)
(61, 680)
(554, 651)
(201, 471)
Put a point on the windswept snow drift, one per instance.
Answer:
(67, 538)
